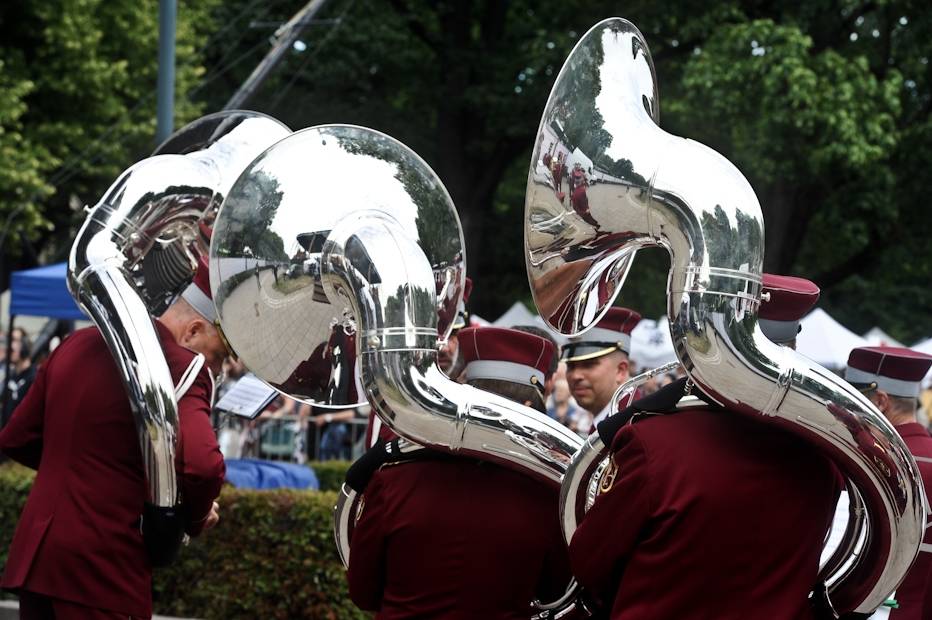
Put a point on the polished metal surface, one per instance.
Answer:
(273, 297)
(340, 244)
(644, 187)
(399, 368)
(152, 209)
(344, 518)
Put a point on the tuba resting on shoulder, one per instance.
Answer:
(137, 249)
(387, 266)
(650, 188)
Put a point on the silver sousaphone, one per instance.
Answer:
(138, 248)
(650, 188)
(339, 248)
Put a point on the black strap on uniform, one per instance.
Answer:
(383, 453)
(663, 400)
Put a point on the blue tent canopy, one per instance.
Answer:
(42, 292)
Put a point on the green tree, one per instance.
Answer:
(77, 104)
(824, 106)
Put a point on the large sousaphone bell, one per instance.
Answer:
(138, 248)
(649, 188)
(339, 248)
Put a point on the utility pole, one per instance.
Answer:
(165, 88)
(283, 38)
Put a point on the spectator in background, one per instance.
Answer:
(560, 405)
(21, 371)
(650, 386)
(336, 441)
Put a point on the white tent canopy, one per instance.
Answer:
(925, 346)
(876, 337)
(826, 341)
(517, 314)
(651, 344)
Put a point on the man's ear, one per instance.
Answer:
(193, 329)
(883, 399)
(623, 370)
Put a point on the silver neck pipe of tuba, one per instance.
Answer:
(397, 347)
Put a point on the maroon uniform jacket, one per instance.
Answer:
(78, 537)
(453, 538)
(912, 591)
(710, 515)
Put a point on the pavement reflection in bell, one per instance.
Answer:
(270, 236)
(587, 165)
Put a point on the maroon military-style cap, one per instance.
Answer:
(505, 354)
(790, 299)
(612, 333)
(461, 316)
(198, 292)
(895, 370)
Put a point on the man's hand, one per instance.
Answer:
(212, 517)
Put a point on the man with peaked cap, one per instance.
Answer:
(443, 536)
(78, 551)
(890, 377)
(787, 300)
(597, 361)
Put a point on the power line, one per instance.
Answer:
(307, 59)
(72, 166)
(287, 35)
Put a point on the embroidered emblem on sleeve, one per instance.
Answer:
(607, 480)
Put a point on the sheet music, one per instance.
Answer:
(247, 398)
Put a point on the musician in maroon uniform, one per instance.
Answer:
(787, 300)
(704, 513)
(579, 185)
(556, 168)
(597, 362)
(77, 551)
(890, 378)
(451, 537)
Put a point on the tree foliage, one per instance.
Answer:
(77, 103)
(824, 105)
(818, 103)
